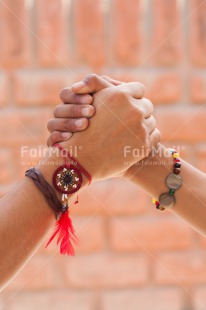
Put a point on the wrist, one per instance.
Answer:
(80, 152)
(152, 170)
(49, 164)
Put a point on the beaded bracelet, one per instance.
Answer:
(173, 182)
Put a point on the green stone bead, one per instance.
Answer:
(171, 192)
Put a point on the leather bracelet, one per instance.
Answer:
(46, 189)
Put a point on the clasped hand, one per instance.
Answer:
(107, 117)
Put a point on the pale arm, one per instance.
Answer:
(190, 198)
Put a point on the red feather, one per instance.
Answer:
(66, 233)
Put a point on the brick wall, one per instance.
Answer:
(131, 257)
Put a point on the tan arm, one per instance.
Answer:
(25, 218)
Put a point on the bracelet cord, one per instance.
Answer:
(173, 182)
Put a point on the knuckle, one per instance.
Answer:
(76, 98)
(139, 111)
(63, 93)
(148, 103)
(73, 111)
(91, 78)
(50, 124)
(57, 110)
(54, 137)
(141, 86)
(67, 124)
(105, 77)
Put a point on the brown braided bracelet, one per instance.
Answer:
(46, 189)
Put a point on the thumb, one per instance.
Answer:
(91, 84)
(112, 81)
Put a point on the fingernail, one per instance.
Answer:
(78, 86)
(79, 123)
(65, 135)
(86, 111)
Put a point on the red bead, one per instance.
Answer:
(177, 160)
(176, 170)
(159, 207)
(157, 203)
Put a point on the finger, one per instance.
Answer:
(134, 89)
(68, 96)
(57, 137)
(112, 81)
(73, 111)
(146, 106)
(154, 138)
(91, 84)
(70, 125)
(150, 123)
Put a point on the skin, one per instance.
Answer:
(24, 213)
(151, 172)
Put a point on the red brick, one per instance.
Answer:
(197, 32)
(52, 33)
(112, 197)
(198, 89)
(127, 44)
(6, 128)
(4, 88)
(21, 127)
(164, 89)
(52, 300)
(34, 88)
(182, 124)
(199, 298)
(166, 32)
(180, 268)
(88, 240)
(107, 271)
(40, 272)
(145, 299)
(15, 35)
(148, 234)
(89, 33)
(27, 156)
(125, 198)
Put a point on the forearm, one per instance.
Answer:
(25, 218)
(190, 198)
